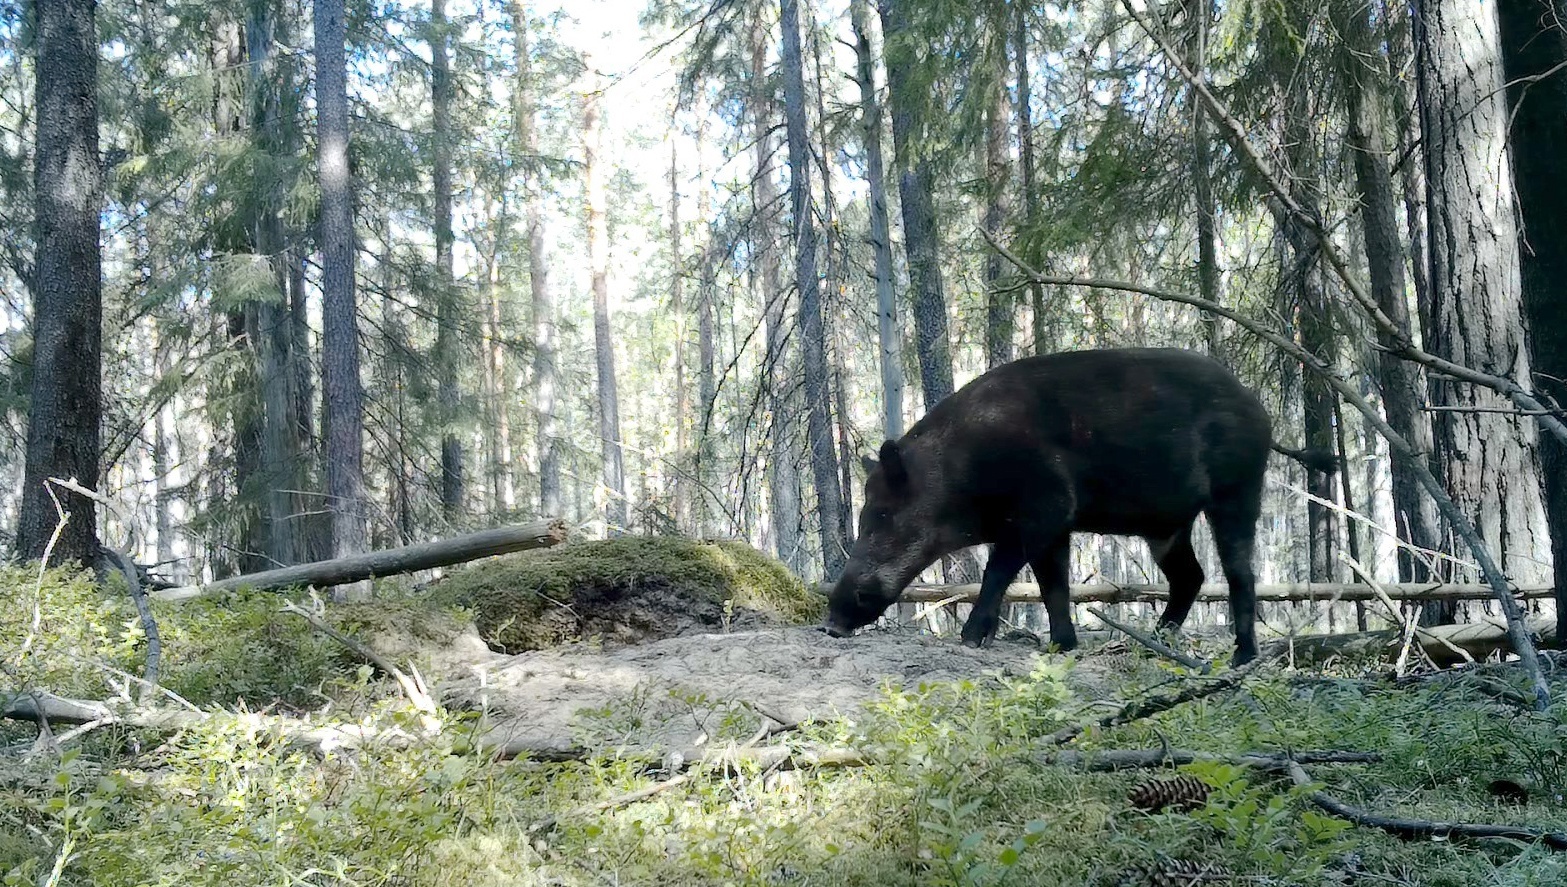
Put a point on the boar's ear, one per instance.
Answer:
(892, 465)
(869, 464)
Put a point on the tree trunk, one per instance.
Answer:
(1202, 184)
(677, 304)
(447, 318)
(999, 311)
(270, 325)
(1489, 461)
(395, 350)
(546, 374)
(891, 350)
(920, 227)
(707, 381)
(1402, 383)
(339, 322)
(783, 481)
(66, 400)
(818, 406)
(615, 508)
(1533, 50)
(1025, 140)
(503, 493)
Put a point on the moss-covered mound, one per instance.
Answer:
(625, 590)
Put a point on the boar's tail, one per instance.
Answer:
(1316, 460)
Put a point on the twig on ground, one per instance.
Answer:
(1420, 828)
(1145, 759)
(149, 625)
(1151, 706)
(413, 687)
(1202, 666)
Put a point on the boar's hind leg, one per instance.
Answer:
(1234, 523)
(1051, 569)
(1006, 559)
(1179, 564)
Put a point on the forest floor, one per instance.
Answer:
(694, 739)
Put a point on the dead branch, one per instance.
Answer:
(1152, 758)
(1444, 644)
(1420, 828)
(1493, 574)
(388, 562)
(1202, 666)
(414, 689)
(1098, 593)
(149, 625)
(1146, 708)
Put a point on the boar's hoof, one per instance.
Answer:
(1242, 657)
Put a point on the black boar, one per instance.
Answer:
(1133, 441)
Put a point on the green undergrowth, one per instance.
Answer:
(630, 588)
(959, 792)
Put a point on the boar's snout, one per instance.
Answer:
(856, 601)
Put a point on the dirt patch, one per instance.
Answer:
(675, 692)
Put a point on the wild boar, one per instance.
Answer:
(1129, 441)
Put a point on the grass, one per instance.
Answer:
(958, 796)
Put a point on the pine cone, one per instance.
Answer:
(1174, 873)
(1180, 793)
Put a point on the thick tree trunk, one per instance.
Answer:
(783, 478)
(546, 374)
(339, 321)
(677, 304)
(270, 325)
(448, 314)
(1488, 460)
(999, 310)
(1534, 47)
(921, 235)
(1202, 184)
(615, 507)
(1402, 383)
(813, 333)
(889, 337)
(1025, 140)
(66, 400)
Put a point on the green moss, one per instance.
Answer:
(631, 587)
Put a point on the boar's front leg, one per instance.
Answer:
(1052, 570)
(1006, 559)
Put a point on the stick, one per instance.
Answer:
(1103, 593)
(1153, 705)
(1420, 828)
(1202, 666)
(413, 689)
(1147, 759)
(149, 625)
(388, 562)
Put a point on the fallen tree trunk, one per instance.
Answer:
(1440, 642)
(389, 561)
(1028, 593)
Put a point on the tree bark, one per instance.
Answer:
(66, 399)
(921, 235)
(677, 304)
(707, 379)
(448, 396)
(1533, 49)
(1489, 461)
(269, 324)
(615, 507)
(1401, 383)
(546, 374)
(1040, 330)
(888, 335)
(818, 406)
(339, 321)
(999, 310)
(1202, 183)
(783, 482)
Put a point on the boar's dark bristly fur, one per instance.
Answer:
(1134, 441)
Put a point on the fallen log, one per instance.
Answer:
(1440, 642)
(1028, 593)
(388, 561)
(1155, 758)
